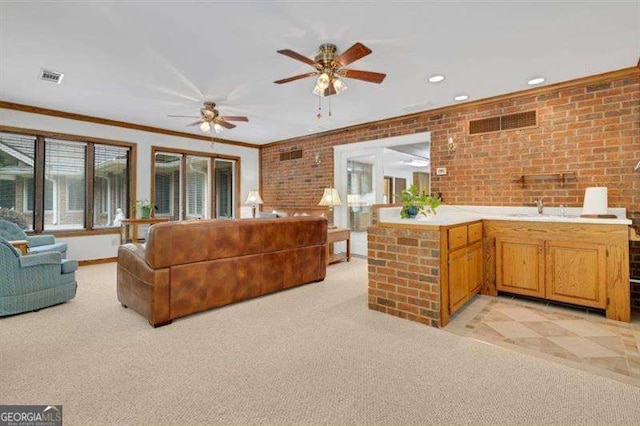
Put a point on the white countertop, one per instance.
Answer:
(451, 215)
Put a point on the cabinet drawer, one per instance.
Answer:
(457, 237)
(475, 232)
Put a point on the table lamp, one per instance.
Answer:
(330, 198)
(254, 199)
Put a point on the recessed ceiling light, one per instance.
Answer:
(536, 80)
(436, 78)
(461, 98)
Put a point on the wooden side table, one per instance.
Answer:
(21, 245)
(129, 228)
(333, 236)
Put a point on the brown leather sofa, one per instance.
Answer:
(188, 267)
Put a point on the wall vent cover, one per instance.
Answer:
(504, 122)
(291, 155)
(51, 76)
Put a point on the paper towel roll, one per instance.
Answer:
(595, 200)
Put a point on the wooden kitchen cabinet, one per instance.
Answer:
(576, 263)
(463, 273)
(475, 265)
(458, 279)
(576, 273)
(520, 266)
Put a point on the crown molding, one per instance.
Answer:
(108, 122)
(592, 79)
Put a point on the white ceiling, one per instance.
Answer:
(139, 61)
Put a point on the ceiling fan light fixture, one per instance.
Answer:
(339, 85)
(318, 90)
(323, 81)
(217, 128)
(205, 127)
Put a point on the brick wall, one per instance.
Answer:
(404, 273)
(591, 128)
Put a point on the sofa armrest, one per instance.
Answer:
(41, 240)
(49, 258)
(141, 287)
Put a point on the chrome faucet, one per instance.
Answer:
(539, 205)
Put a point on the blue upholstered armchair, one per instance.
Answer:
(37, 243)
(32, 282)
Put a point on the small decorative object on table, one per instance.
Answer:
(414, 204)
(145, 208)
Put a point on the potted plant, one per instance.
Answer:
(144, 206)
(414, 204)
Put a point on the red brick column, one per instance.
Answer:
(404, 272)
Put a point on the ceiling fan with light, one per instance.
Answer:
(329, 67)
(210, 118)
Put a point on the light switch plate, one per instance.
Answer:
(441, 171)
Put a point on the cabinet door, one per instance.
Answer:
(475, 260)
(576, 273)
(520, 266)
(458, 279)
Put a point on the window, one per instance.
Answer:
(28, 189)
(198, 193)
(75, 195)
(110, 184)
(52, 184)
(224, 189)
(168, 169)
(194, 185)
(64, 165)
(17, 166)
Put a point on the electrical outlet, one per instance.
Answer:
(441, 171)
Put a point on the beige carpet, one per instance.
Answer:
(311, 354)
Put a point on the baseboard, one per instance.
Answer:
(97, 261)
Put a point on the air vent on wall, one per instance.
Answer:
(51, 76)
(291, 155)
(504, 122)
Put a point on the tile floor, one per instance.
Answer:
(572, 336)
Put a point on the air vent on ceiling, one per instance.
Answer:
(504, 122)
(291, 155)
(51, 76)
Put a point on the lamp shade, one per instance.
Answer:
(254, 198)
(330, 198)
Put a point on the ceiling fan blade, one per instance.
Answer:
(225, 124)
(369, 76)
(296, 77)
(295, 55)
(330, 90)
(196, 123)
(182, 116)
(234, 118)
(352, 54)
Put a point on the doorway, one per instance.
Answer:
(376, 172)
